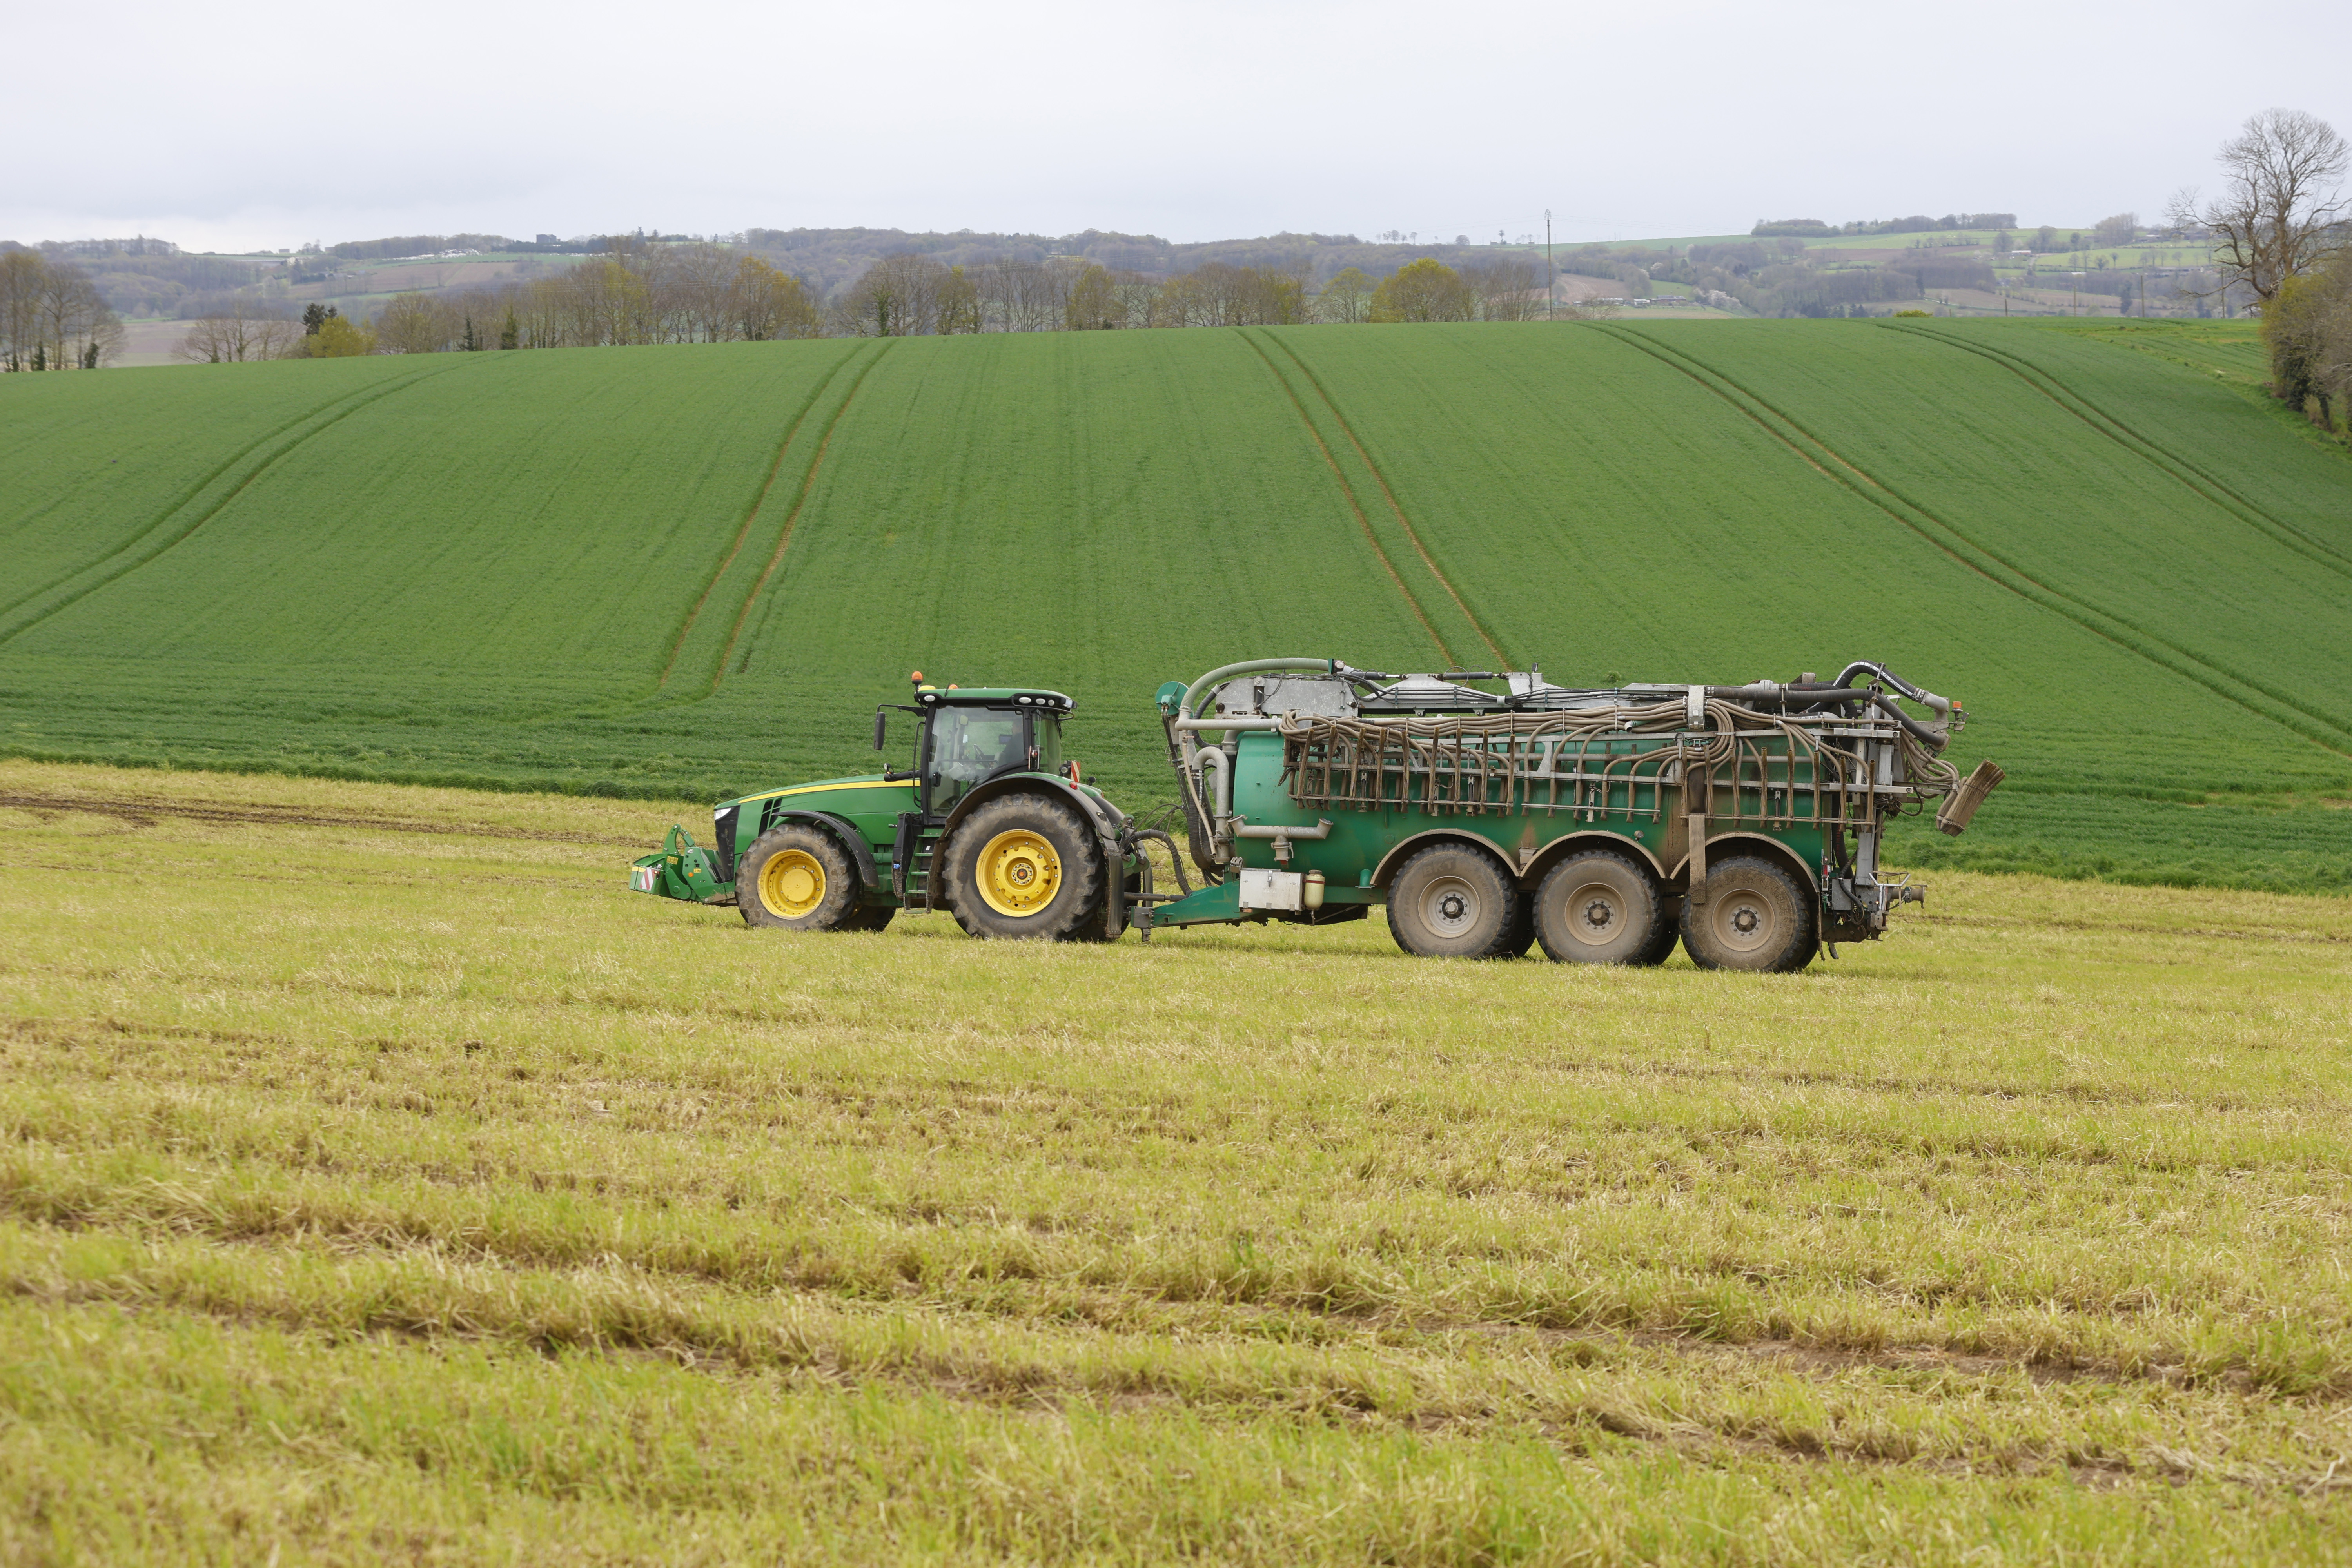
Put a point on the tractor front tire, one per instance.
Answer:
(798, 877)
(1022, 867)
(1601, 907)
(1452, 902)
(1757, 917)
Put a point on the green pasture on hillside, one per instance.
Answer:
(684, 572)
(382, 1182)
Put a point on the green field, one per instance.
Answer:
(687, 571)
(379, 1181)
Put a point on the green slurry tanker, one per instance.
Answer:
(1605, 824)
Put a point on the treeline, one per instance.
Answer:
(1780, 278)
(1918, 223)
(52, 316)
(640, 292)
(143, 275)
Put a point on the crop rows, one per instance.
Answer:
(663, 571)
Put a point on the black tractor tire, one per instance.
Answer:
(1601, 906)
(1757, 917)
(797, 878)
(869, 917)
(1523, 929)
(1670, 931)
(1450, 901)
(1025, 867)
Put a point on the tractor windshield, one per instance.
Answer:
(969, 744)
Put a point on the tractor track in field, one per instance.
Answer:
(144, 813)
(2153, 453)
(2320, 728)
(792, 518)
(1389, 495)
(180, 502)
(353, 403)
(1348, 492)
(759, 502)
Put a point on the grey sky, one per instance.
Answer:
(1194, 120)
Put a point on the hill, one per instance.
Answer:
(686, 571)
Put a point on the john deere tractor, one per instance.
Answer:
(989, 820)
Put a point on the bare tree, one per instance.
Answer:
(2282, 212)
(240, 332)
(898, 297)
(1510, 289)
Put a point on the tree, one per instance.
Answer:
(337, 338)
(765, 303)
(1348, 296)
(2308, 329)
(1510, 289)
(408, 324)
(314, 315)
(2281, 213)
(511, 330)
(1422, 290)
(1093, 303)
(2116, 230)
(243, 331)
(898, 297)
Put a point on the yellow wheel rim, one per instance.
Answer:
(791, 884)
(1019, 872)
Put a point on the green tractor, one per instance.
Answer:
(990, 822)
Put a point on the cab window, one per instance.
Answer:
(968, 745)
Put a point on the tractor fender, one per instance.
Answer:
(1576, 843)
(851, 839)
(1097, 815)
(1404, 849)
(1755, 844)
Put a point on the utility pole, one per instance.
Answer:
(1551, 273)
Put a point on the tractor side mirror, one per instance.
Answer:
(881, 728)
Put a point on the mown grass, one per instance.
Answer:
(380, 1181)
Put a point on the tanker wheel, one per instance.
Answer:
(1452, 902)
(1024, 867)
(868, 917)
(799, 878)
(1601, 907)
(1755, 918)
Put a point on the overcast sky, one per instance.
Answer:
(1191, 121)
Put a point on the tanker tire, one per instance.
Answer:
(1523, 929)
(869, 917)
(1452, 902)
(1757, 917)
(1076, 899)
(1670, 931)
(836, 905)
(1602, 908)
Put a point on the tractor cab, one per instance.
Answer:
(969, 735)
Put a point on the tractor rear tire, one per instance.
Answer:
(797, 878)
(1450, 901)
(1601, 906)
(1022, 867)
(1757, 917)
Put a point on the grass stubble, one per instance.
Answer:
(381, 1182)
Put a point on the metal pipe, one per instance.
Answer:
(1221, 794)
(1250, 722)
(1322, 829)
